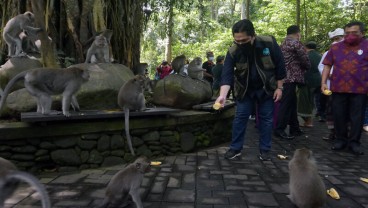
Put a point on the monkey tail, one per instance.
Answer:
(127, 134)
(9, 86)
(33, 181)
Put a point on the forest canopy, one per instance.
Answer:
(154, 30)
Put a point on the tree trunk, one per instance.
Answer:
(84, 32)
(47, 52)
(298, 12)
(170, 26)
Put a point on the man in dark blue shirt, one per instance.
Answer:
(255, 67)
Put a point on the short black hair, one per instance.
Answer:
(219, 59)
(353, 23)
(311, 45)
(293, 29)
(244, 25)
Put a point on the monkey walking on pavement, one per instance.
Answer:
(10, 178)
(126, 183)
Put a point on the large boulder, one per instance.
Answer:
(15, 66)
(181, 92)
(99, 93)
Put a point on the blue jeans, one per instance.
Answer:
(244, 108)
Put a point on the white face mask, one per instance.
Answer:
(211, 58)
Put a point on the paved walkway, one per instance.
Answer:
(204, 179)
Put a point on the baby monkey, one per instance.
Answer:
(10, 178)
(307, 189)
(126, 183)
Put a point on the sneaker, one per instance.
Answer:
(231, 154)
(264, 156)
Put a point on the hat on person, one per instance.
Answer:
(337, 32)
(311, 45)
(220, 58)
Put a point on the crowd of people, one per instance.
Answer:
(286, 82)
(282, 83)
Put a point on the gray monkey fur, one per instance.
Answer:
(14, 27)
(126, 182)
(10, 178)
(131, 97)
(178, 64)
(99, 51)
(306, 186)
(195, 69)
(44, 82)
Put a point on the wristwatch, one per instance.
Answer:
(281, 88)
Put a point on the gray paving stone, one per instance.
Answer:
(260, 199)
(180, 195)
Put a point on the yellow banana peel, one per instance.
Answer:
(216, 106)
(154, 163)
(282, 157)
(333, 193)
(364, 180)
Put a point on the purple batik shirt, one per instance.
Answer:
(296, 60)
(350, 74)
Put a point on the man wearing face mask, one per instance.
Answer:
(349, 84)
(254, 66)
(208, 65)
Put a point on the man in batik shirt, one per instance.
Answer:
(349, 84)
(297, 63)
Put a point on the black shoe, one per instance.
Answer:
(296, 133)
(232, 154)
(283, 135)
(339, 146)
(355, 149)
(264, 156)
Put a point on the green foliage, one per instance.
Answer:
(196, 31)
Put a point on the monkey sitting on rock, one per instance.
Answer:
(10, 178)
(306, 186)
(195, 70)
(44, 82)
(126, 183)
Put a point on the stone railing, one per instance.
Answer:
(72, 145)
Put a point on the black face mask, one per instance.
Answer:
(246, 48)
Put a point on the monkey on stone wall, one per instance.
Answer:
(306, 186)
(12, 30)
(10, 178)
(126, 183)
(195, 69)
(44, 82)
(131, 97)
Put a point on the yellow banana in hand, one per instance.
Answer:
(333, 193)
(364, 180)
(216, 106)
(327, 92)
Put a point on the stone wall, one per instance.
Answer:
(68, 146)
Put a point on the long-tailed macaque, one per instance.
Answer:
(131, 97)
(306, 186)
(13, 28)
(99, 51)
(195, 69)
(10, 178)
(126, 183)
(44, 82)
(178, 64)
